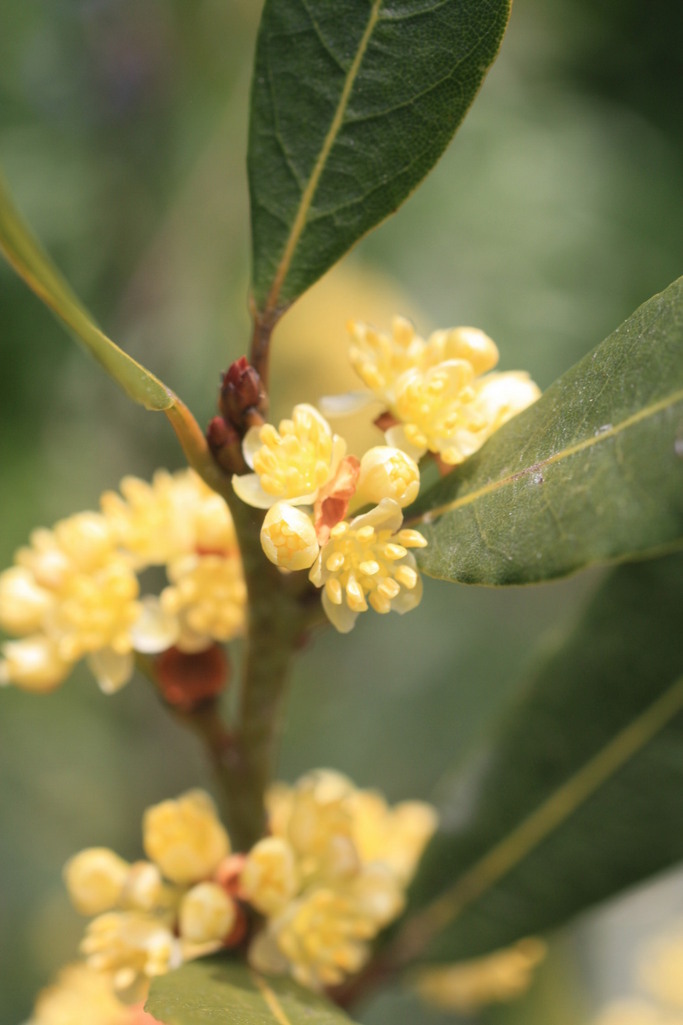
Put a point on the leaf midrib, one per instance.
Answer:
(301, 217)
(271, 1000)
(438, 511)
(528, 834)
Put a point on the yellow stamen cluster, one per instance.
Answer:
(74, 593)
(359, 562)
(152, 915)
(327, 879)
(331, 873)
(439, 390)
(367, 562)
(290, 464)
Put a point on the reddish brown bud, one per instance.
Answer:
(242, 391)
(188, 680)
(385, 420)
(225, 445)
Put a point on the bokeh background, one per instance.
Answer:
(555, 213)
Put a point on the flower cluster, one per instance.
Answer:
(438, 397)
(330, 874)
(74, 592)
(152, 915)
(81, 996)
(309, 485)
(439, 392)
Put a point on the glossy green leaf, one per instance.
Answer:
(578, 793)
(32, 264)
(591, 472)
(353, 102)
(226, 992)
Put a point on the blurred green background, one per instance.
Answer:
(553, 215)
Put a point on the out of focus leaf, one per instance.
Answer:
(577, 795)
(226, 992)
(353, 102)
(591, 472)
(31, 263)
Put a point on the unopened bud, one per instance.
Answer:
(226, 445)
(242, 391)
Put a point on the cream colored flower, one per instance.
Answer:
(387, 472)
(206, 914)
(207, 597)
(367, 562)
(95, 879)
(130, 944)
(324, 937)
(288, 537)
(330, 877)
(185, 837)
(394, 836)
(34, 664)
(81, 996)
(290, 464)
(270, 879)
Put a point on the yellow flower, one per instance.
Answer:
(95, 879)
(290, 464)
(206, 914)
(434, 388)
(288, 537)
(324, 937)
(367, 562)
(207, 597)
(330, 877)
(269, 879)
(387, 472)
(185, 837)
(79, 594)
(81, 996)
(130, 944)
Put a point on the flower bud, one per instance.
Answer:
(207, 914)
(188, 680)
(288, 537)
(269, 878)
(95, 879)
(242, 390)
(185, 837)
(388, 473)
(23, 603)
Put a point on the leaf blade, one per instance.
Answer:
(590, 751)
(592, 472)
(229, 993)
(25, 254)
(350, 110)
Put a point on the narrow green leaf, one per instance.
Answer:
(31, 263)
(591, 472)
(577, 796)
(353, 102)
(226, 992)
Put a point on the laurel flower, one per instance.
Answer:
(367, 562)
(291, 463)
(329, 878)
(438, 391)
(82, 996)
(74, 592)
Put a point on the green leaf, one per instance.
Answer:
(353, 102)
(578, 794)
(590, 473)
(226, 992)
(29, 260)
